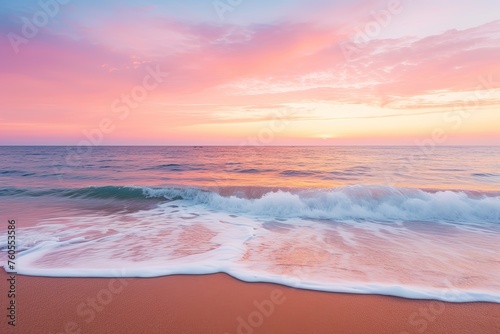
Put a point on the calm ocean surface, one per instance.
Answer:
(404, 221)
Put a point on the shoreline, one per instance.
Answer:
(219, 303)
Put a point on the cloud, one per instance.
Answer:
(73, 76)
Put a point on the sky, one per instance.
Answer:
(246, 72)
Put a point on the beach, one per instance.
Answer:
(246, 167)
(229, 248)
(221, 304)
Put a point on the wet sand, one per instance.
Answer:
(221, 304)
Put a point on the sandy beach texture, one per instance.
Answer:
(221, 304)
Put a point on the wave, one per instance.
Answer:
(174, 167)
(359, 202)
(291, 172)
(357, 239)
(16, 172)
(105, 192)
(485, 175)
(253, 171)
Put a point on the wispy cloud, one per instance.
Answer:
(238, 72)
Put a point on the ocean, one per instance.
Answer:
(413, 222)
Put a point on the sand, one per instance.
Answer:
(221, 304)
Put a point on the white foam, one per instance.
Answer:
(429, 260)
(352, 202)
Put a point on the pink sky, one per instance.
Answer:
(305, 77)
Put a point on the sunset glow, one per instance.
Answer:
(278, 73)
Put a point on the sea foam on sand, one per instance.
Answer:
(363, 239)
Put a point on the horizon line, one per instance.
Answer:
(243, 146)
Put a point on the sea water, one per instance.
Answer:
(404, 221)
